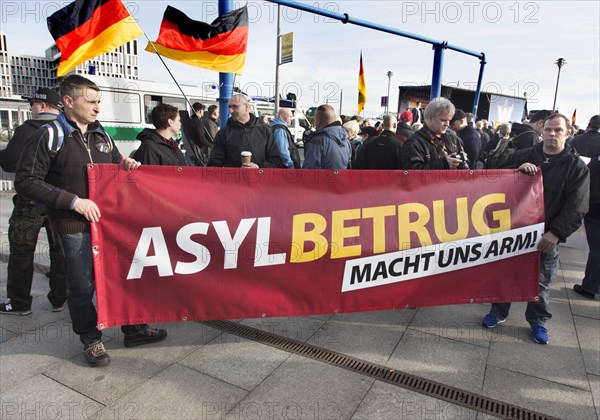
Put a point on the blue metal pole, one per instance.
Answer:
(479, 83)
(438, 64)
(225, 79)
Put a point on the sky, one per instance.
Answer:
(521, 40)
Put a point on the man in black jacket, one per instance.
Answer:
(433, 147)
(528, 135)
(243, 132)
(588, 143)
(53, 171)
(403, 131)
(566, 196)
(469, 136)
(382, 152)
(26, 221)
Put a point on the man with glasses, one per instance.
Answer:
(26, 220)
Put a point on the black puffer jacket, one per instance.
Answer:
(155, 150)
(566, 187)
(236, 137)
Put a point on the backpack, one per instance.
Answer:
(498, 156)
(294, 153)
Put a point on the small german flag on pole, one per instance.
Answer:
(88, 28)
(362, 87)
(220, 46)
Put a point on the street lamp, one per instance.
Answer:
(389, 75)
(560, 62)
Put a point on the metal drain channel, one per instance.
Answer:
(404, 380)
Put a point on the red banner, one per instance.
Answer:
(176, 244)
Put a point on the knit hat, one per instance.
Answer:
(458, 115)
(406, 116)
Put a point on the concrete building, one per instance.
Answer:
(24, 74)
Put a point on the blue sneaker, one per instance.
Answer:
(540, 334)
(490, 321)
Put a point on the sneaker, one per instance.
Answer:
(146, 336)
(59, 308)
(490, 321)
(96, 355)
(580, 290)
(7, 309)
(540, 334)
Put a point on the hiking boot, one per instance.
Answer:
(540, 334)
(581, 291)
(8, 309)
(146, 336)
(96, 355)
(490, 321)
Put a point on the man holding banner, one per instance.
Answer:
(53, 171)
(566, 197)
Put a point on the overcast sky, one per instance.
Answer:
(521, 40)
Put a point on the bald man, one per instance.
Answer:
(284, 139)
(243, 132)
(328, 147)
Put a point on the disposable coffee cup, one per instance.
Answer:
(246, 157)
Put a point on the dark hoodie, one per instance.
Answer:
(328, 148)
(156, 150)
(236, 137)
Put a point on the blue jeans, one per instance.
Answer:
(537, 312)
(591, 281)
(76, 251)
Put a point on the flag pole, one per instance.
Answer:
(168, 70)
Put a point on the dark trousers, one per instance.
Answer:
(25, 224)
(591, 281)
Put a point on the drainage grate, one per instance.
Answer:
(411, 382)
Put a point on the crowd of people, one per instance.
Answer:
(53, 148)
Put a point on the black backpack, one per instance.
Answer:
(498, 156)
(294, 153)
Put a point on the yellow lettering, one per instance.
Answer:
(378, 214)
(339, 232)
(462, 219)
(501, 216)
(406, 227)
(301, 236)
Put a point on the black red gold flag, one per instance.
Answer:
(86, 29)
(219, 46)
(362, 87)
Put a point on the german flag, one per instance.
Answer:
(88, 28)
(220, 46)
(362, 87)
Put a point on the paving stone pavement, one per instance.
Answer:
(201, 372)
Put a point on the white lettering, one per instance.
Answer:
(202, 254)
(141, 259)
